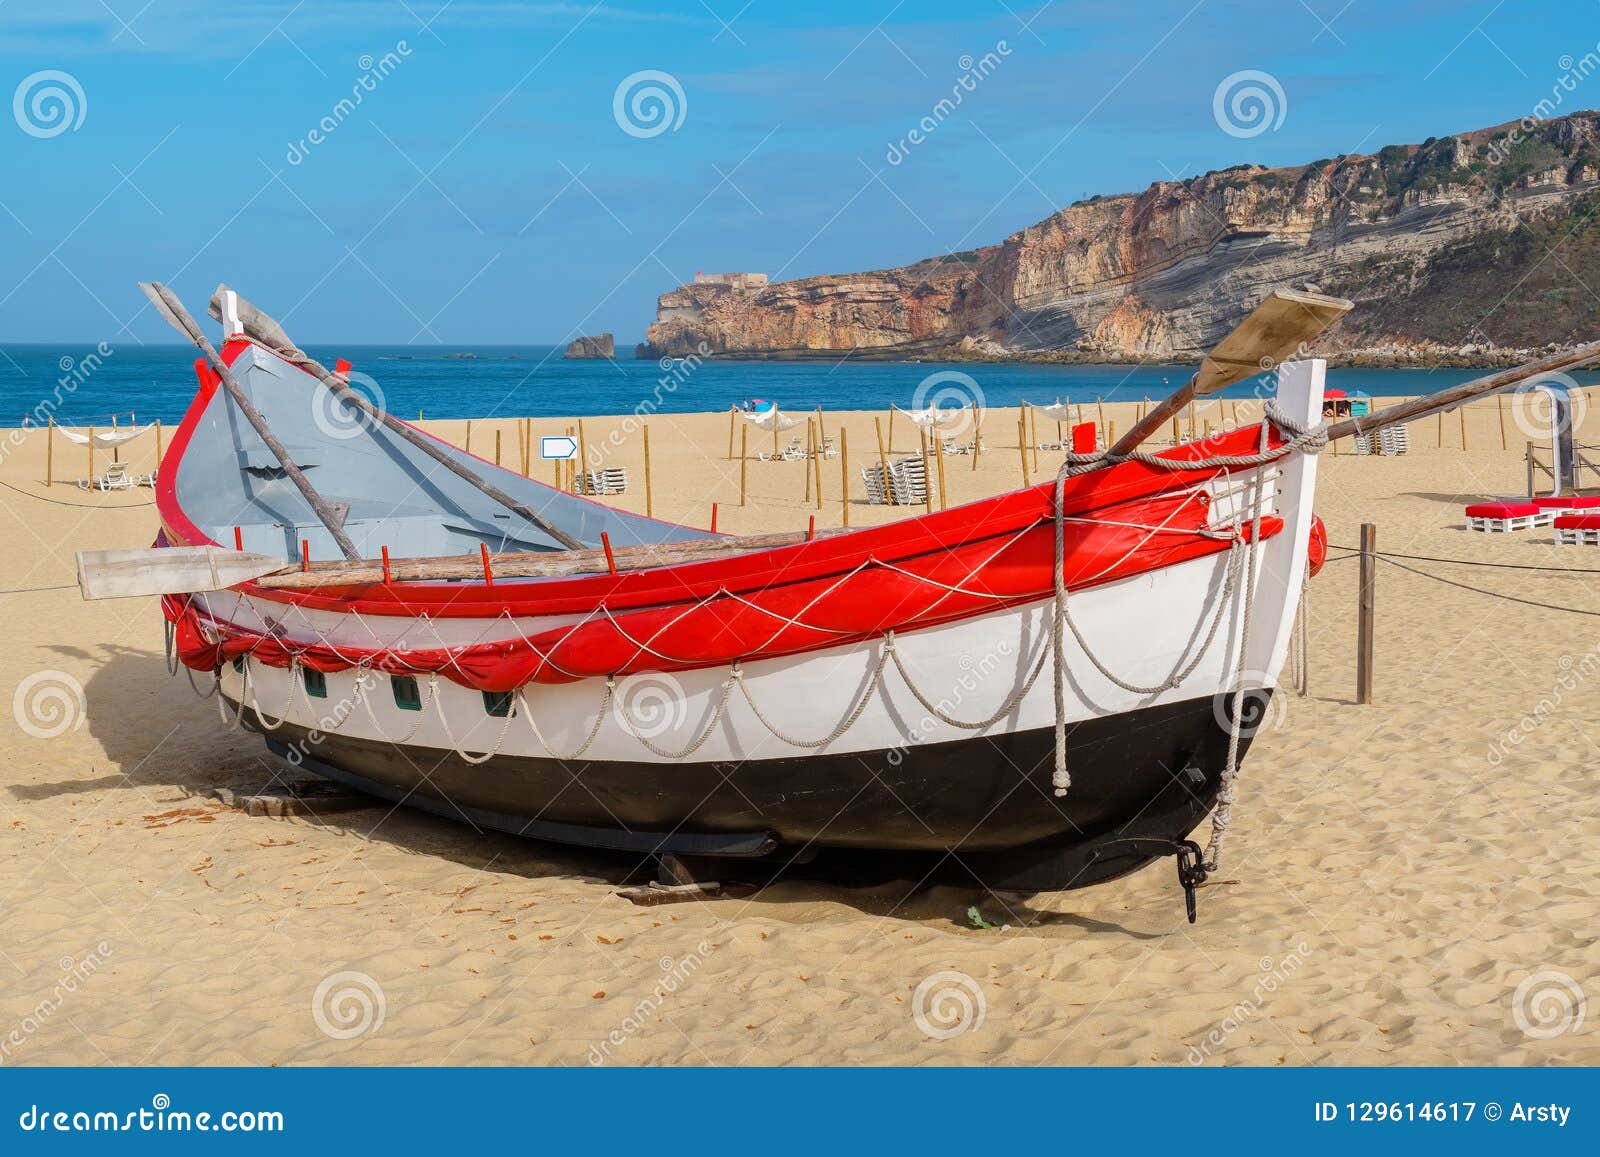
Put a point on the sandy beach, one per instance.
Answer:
(1396, 872)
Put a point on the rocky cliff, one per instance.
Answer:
(1436, 243)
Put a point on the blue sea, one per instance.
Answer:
(143, 383)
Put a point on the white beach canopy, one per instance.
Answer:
(771, 419)
(1059, 411)
(935, 415)
(103, 438)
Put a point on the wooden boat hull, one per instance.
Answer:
(887, 688)
(1150, 774)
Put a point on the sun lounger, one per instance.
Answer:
(612, 480)
(1504, 517)
(1560, 504)
(1578, 530)
(116, 477)
(908, 486)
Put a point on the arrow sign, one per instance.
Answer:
(558, 446)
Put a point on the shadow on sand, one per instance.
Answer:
(180, 742)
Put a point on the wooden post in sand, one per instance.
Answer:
(977, 440)
(583, 460)
(1500, 404)
(50, 451)
(1463, 427)
(649, 500)
(775, 416)
(844, 478)
(1022, 450)
(816, 458)
(927, 472)
(1033, 439)
(744, 462)
(1365, 612)
(883, 459)
(1439, 441)
(91, 455)
(468, 446)
(811, 443)
(1100, 412)
(733, 420)
(944, 495)
(497, 445)
(1177, 435)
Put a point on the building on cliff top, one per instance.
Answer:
(735, 280)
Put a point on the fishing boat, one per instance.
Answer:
(1039, 690)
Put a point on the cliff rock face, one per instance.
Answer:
(1168, 271)
(599, 346)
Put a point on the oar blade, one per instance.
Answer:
(157, 293)
(116, 574)
(1275, 330)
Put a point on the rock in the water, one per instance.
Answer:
(599, 346)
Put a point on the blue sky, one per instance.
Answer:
(485, 189)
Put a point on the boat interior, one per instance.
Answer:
(231, 485)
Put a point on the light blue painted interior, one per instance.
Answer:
(398, 497)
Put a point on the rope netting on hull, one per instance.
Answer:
(513, 661)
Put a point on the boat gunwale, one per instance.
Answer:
(762, 569)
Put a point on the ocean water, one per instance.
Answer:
(143, 383)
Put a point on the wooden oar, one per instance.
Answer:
(1431, 404)
(270, 334)
(168, 305)
(1276, 329)
(171, 570)
(177, 570)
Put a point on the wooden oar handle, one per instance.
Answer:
(1154, 420)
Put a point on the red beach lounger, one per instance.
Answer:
(1578, 530)
(1506, 516)
(1569, 503)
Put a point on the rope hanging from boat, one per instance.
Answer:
(1222, 814)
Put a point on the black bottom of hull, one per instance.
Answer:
(1140, 781)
